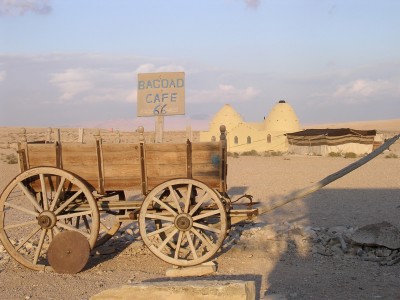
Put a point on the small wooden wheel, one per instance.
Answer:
(183, 222)
(37, 205)
(68, 252)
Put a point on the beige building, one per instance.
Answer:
(268, 135)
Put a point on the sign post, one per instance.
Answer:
(159, 95)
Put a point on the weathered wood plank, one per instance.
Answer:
(85, 158)
(78, 148)
(119, 183)
(205, 146)
(41, 155)
(206, 157)
(167, 170)
(120, 154)
(165, 147)
(83, 171)
(121, 171)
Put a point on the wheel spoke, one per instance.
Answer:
(58, 193)
(20, 224)
(207, 214)
(23, 209)
(39, 247)
(165, 206)
(44, 192)
(178, 245)
(187, 200)
(207, 243)
(198, 225)
(167, 239)
(160, 217)
(201, 201)
(172, 192)
(31, 198)
(191, 245)
(68, 202)
(163, 229)
(31, 234)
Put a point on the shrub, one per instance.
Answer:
(250, 153)
(11, 159)
(276, 153)
(233, 154)
(335, 154)
(391, 155)
(350, 155)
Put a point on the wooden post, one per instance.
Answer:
(59, 135)
(49, 131)
(142, 161)
(97, 135)
(189, 134)
(223, 159)
(159, 129)
(81, 132)
(23, 135)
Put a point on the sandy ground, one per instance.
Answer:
(280, 267)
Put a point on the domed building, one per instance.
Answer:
(268, 135)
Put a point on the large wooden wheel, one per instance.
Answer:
(183, 222)
(37, 205)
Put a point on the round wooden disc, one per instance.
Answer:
(68, 252)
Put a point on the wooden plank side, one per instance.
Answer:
(118, 183)
(42, 155)
(205, 170)
(83, 171)
(121, 171)
(205, 146)
(166, 170)
(211, 182)
(165, 147)
(156, 157)
(206, 157)
(120, 154)
(78, 154)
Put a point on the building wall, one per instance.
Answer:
(242, 136)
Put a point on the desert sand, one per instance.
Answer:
(280, 251)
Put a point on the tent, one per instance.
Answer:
(325, 141)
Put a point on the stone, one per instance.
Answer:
(381, 234)
(182, 290)
(199, 270)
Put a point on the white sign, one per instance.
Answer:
(161, 94)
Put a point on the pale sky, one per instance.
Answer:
(75, 63)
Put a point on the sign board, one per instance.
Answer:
(161, 94)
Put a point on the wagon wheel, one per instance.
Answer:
(109, 222)
(183, 222)
(37, 205)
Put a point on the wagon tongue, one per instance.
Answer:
(327, 180)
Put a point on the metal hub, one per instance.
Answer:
(47, 219)
(184, 222)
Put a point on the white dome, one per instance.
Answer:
(282, 118)
(225, 116)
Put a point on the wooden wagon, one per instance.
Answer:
(69, 192)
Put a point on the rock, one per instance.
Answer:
(193, 290)
(381, 234)
(199, 270)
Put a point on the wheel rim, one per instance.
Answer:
(183, 222)
(37, 205)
